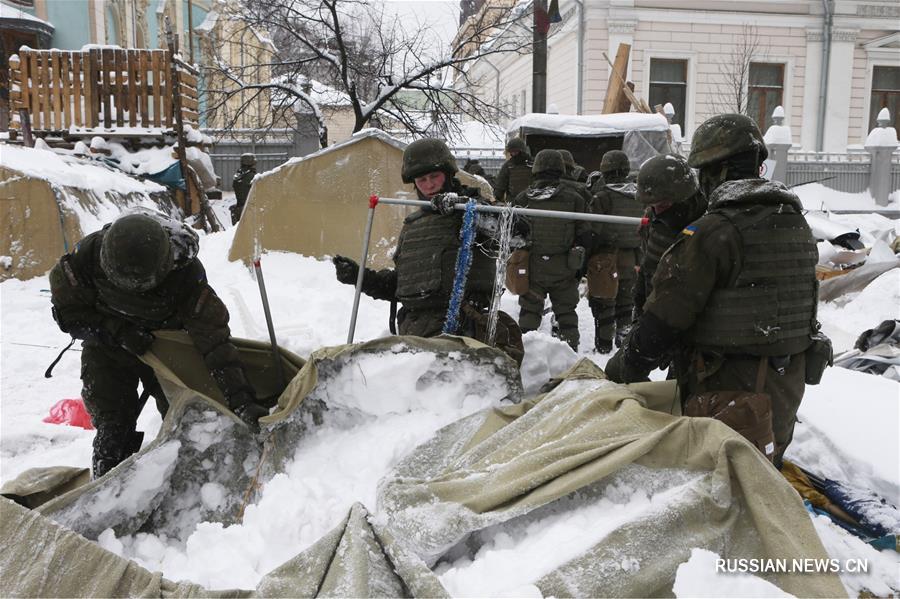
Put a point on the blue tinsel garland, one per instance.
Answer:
(463, 262)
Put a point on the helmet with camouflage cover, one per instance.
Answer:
(723, 136)
(548, 161)
(516, 144)
(248, 159)
(568, 159)
(666, 178)
(425, 156)
(136, 254)
(615, 160)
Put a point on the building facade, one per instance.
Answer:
(711, 56)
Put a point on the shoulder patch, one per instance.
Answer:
(689, 230)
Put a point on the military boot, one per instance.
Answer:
(603, 346)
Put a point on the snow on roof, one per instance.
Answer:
(588, 125)
(69, 171)
(209, 22)
(358, 136)
(9, 12)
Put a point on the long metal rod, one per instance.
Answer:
(597, 218)
(373, 201)
(276, 354)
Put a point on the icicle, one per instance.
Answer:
(463, 262)
(504, 238)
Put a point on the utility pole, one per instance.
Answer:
(190, 31)
(540, 24)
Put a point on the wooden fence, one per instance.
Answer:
(101, 87)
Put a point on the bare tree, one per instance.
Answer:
(732, 90)
(386, 74)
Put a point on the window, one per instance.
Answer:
(766, 91)
(885, 93)
(668, 83)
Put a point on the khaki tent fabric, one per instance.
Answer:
(319, 205)
(38, 224)
(37, 486)
(581, 437)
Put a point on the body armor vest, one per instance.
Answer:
(771, 307)
(618, 199)
(519, 179)
(656, 239)
(550, 236)
(426, 262)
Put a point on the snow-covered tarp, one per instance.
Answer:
(476, 474)
(594, 125)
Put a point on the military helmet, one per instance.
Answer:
(516, 143)
(548, 161)
(568, 159)
(666, 178)
(136, 254)
(248, 159)
(425, 156)
(615, 160)
(723, 136)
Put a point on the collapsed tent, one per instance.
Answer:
(317, 205)
(877, 351)
(49, 202)
(573, 446)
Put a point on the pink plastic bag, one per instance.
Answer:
(71, 412)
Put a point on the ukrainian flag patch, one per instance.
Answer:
(689, 230)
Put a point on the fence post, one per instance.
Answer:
(881, 143)
(778, 141)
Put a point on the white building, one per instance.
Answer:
(687, 52)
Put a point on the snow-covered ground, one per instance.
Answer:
(848, 429)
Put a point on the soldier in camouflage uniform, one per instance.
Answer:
(614, 195)
(426, 256)
(554, 259)
(515, 174)
(735, 296)
(122, 282)
(670, 191)
(574, 171)
(241, 183)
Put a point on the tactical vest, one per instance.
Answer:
(519, 179)
(771, 308)
(618, 199)
(551, 236)
(657, 238)
(426, 262)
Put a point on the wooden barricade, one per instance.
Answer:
(108, 88)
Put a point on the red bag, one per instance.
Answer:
(71, 412)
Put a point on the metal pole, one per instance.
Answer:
(373, 202)
(598, 218)
(276, 355)
(539, 58)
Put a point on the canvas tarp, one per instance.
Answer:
(40, 224)
(318, 205)
(494, 467)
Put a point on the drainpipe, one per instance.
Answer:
(827, 21)
(496, 83)
(579, 81)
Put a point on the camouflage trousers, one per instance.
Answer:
(110, 377)
(612, 317)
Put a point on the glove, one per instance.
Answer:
(618, 371)
(346, 269)
(135, 339)
(443, 203)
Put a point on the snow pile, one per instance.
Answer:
(69, 171)
(882, 137)
(778, 135)
(815, 196)
(851, 314)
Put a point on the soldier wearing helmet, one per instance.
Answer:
(134, 276)
(557, 248)
(515, 173)
(735, 296)
(425, 259)
(669, 190)
(611, 268)
(241, 183)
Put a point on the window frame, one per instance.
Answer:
(872, 113)
(760, 110)
(685, 86)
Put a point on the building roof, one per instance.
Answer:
(593, 125)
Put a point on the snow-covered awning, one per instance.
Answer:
(14, 19)
(594, 125)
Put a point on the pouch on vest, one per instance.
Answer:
(819, 356)
(746, 412)
(603, 276)
(517, 272)
(575, 258)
